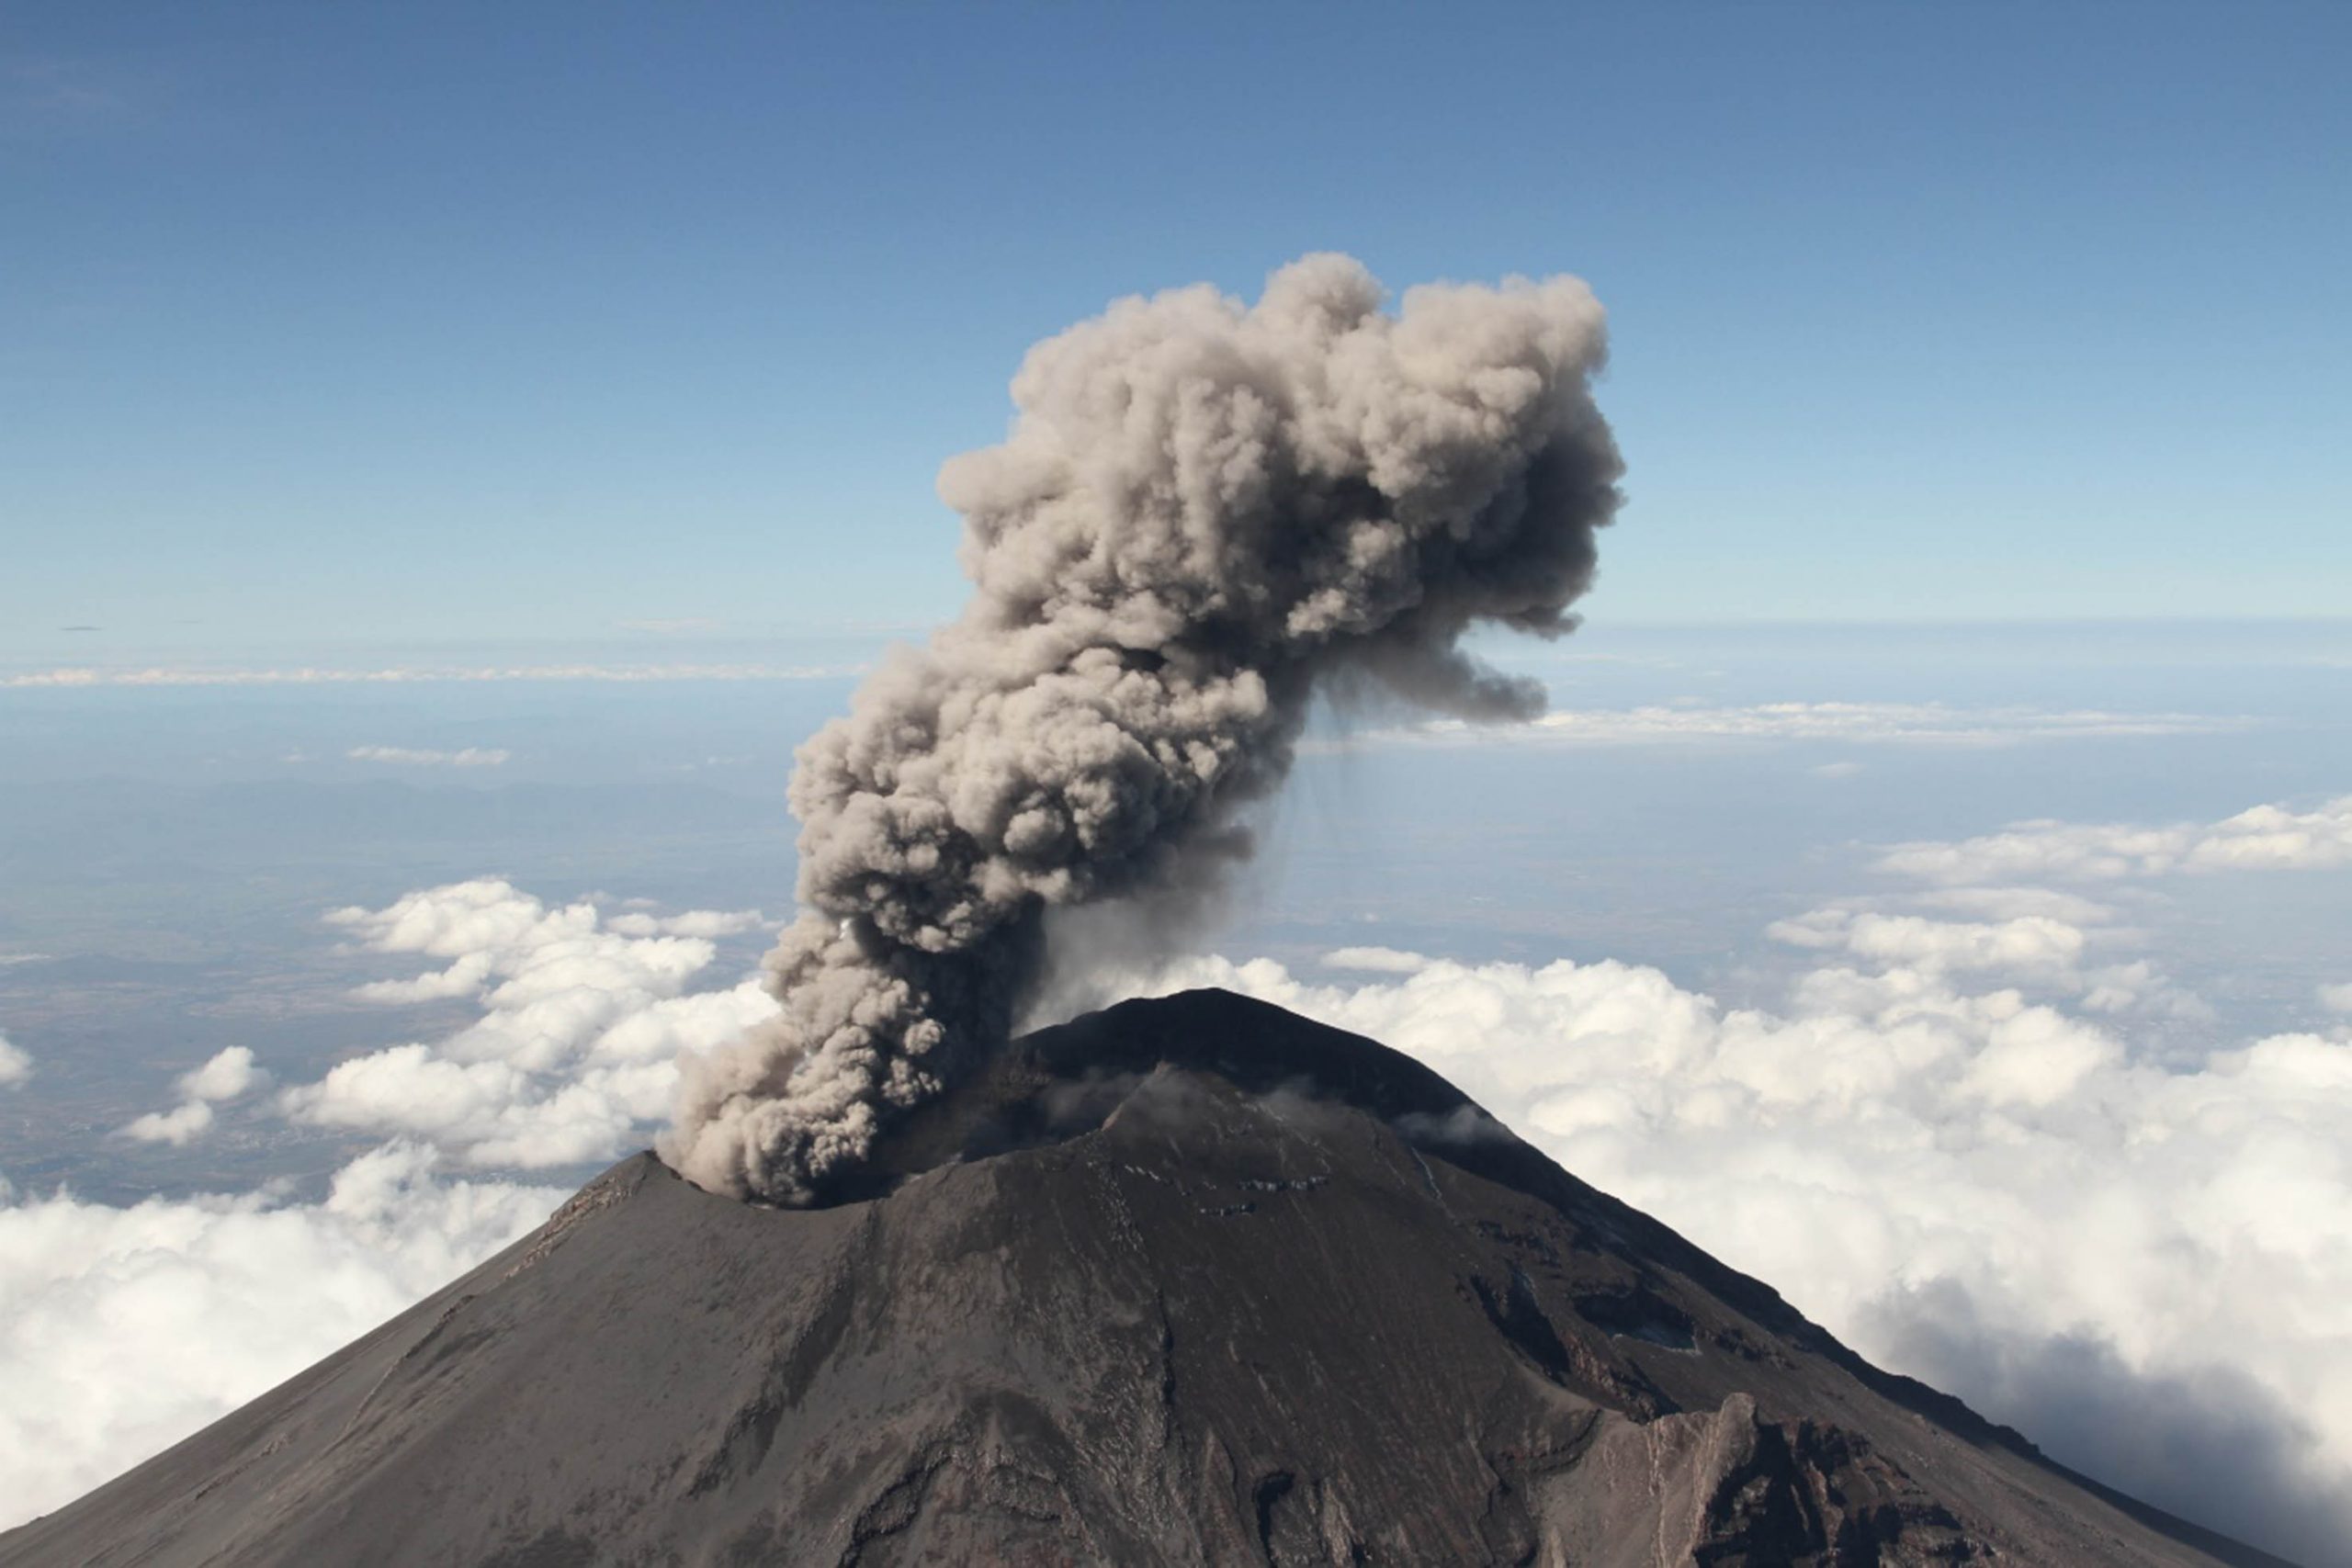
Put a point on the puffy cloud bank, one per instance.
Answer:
(574, 1055)
(124, 1330)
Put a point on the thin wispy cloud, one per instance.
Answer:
(309, 675)
(1859, 723)
(470, 757)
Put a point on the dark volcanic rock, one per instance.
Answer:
(1190, 1281)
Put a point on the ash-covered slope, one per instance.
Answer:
(1190, 1281)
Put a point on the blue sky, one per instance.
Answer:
(334, 325)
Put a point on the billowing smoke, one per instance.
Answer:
(1205, 509)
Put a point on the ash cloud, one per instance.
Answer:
(1205, 512)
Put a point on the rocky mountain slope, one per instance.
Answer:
(1190, 1281)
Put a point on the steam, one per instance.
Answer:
(1204, 510)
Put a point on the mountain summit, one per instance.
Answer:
(1188, 1280)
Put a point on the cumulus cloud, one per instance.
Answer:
(1859, 723)
(228, 1075)
(2267, 837)
(1388, 960)
(184, 1124)
(470, 757)
(15, 1066)
(2032, 937)
(192, 675)
(574, 1055)
(2030, 942)
(1963, 1180)
(123, 1330)
(2336, 999)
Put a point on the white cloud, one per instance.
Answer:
(1858, 723)
(2037, 939)
(15, 1066)
(574, 1058)
(2023, 943)
(2336, 999)
(86, 675)
(1845, 770)
(184, 1124)
(2014, 902)
(2267, 837)
(1956, 1180)
(228, 1075)
(708, 923)
(124, 1330)
(462, 979)
(470, 757)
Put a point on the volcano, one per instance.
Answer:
(1188, 1280)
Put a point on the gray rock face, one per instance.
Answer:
(1187, 1282)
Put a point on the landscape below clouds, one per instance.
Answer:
(1983, 991)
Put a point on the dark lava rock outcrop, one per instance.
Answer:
(1186, 1282)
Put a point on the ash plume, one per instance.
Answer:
(1204, 511)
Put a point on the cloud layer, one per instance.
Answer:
(2266, 837)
